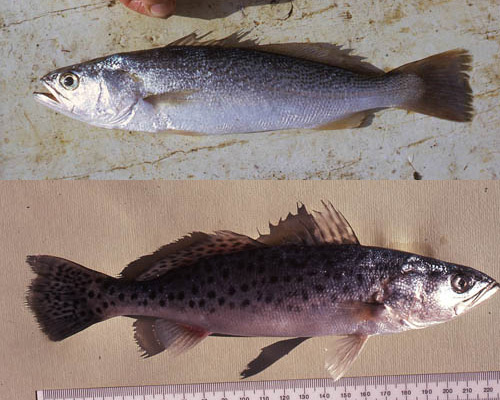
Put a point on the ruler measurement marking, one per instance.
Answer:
(487, 388)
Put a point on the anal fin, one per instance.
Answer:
(359, 119)
(154, 335)
(342, 352)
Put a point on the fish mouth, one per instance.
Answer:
(484, 294)
(53, 99)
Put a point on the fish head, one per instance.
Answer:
(101, 92)
(430, 291)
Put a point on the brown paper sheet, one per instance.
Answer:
(105, 225)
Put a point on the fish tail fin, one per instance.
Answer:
(444, 83)
(64, 296)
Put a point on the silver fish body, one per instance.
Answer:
(219, 90)
(308, 277)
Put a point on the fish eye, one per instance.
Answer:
(461, 283)
(69, 81)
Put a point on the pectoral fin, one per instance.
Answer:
(169, 98)
(342, 352)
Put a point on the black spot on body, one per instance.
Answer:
(211, 294)
(231, 305)
(195, 290)
(201, 303)
(90, 294)
(105, 305)
(145, 303)
(287, 278)
(212, 310)
(180, 296)
(133, 296)
(273, 279)
(191, 303)
(245, 303)
(305, 295)
(231, 291)
(244, 287)
(171, 296)
(319, 288)
(152, 295)
(269, 298)
(221, 301)
(210, 279)
(300, 279)
(225, 274)
(359, 278)
(121, 297)
(162, 303)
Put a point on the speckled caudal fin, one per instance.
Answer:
(327, 226)
(186, 251)
(154, 335)
(445, 92)
(62, 296)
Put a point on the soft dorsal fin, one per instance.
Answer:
(325, 53)
(186, 251)
(328, 226)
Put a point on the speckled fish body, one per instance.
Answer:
(309, 276)
(219, 90)
(280, 291)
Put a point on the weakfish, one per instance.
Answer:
(235, 85)
(308, 277)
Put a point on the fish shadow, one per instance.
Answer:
(212, 9)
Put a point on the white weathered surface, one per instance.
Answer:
(37, 143)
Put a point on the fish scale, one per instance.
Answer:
(313, 282)
(221, 88)
(308, 277)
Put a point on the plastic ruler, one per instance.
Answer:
(456, 386)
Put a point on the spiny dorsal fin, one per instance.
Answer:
(328, 226)
(236, 39)
(185, 252)
(325, 53)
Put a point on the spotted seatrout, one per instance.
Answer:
(308, 277)
(237, 86)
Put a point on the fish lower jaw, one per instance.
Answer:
(47, 99)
